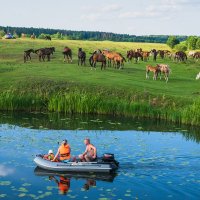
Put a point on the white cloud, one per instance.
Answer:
(111, 8)
(91, 17)
(5, 171)
(93, 13)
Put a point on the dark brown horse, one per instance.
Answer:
(43, 52)
(67, 54)
(134, 55)
(47, 37)
(180, 56)
(81, 56)
(97, 56)
(27, 54)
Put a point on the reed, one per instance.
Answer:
(85, 102)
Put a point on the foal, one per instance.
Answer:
(155, 71)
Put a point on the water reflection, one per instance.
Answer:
(55, 121)
(62, 179)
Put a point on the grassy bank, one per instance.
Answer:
(57, 86)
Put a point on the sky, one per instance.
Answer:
(134, 17)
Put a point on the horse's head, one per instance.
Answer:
(80, 49)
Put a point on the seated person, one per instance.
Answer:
(49, 156)
(63, 153)
(90, 153)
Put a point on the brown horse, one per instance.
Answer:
(134, 54)
(153, 69)
(27, 54)
(67, 54)
(196, 56)
(119, 61)
(43, 52)
(145, 55)
(117, 58)
(97, 56)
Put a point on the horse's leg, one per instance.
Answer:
(78, 61)
(70, 58)
(64, 58)
(147, 74)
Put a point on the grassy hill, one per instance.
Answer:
(59, 86)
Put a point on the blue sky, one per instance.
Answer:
(138, 17)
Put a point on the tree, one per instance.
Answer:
(198, 43)
(172, 41)
(2, 33)
(191, 42)
(181, 47)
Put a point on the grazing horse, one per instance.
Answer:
(134, 54)
(180, 56)
(114, 57)
(33, 36)
(155, 71)
(47, 37)
(165, 69)
(145, 55)
(81, 56)
(97, 56)
(110, 56)
(191, 54)
(42, 53)
(67, 54)
(196, 56)
(27, 54)
(119, 61)
(161, 53)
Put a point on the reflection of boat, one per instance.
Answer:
(105, 164)
(94, 176)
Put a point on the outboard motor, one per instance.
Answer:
(109, 157)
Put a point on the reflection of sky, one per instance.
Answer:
(152, 160)
(5, 171)
(144, 17)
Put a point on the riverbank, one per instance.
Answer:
(59, 87)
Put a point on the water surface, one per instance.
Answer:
(157, 160)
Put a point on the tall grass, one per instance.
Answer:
(84, 102)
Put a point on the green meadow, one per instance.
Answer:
(56, 86)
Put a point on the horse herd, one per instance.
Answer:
(115, 59)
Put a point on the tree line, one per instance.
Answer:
(191, 43)
(85, 35)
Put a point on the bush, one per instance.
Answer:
(181, 47)
(172, 41)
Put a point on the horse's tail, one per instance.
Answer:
(90, 60)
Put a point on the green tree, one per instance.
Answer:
(198, 43)
(181, 47)
(191, 42)
(172, 41)
(2, 33)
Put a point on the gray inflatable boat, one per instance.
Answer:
(105, 164)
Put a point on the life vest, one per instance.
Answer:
(64, 184)
(64, 151)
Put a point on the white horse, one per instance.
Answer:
(198, 76)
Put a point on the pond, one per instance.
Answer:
(158, 160)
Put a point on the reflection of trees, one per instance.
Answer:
(94, 122)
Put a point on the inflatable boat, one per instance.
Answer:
(106, 163)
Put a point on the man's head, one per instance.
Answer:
(64, 142)
(87, 141)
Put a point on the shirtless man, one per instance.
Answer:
(90, 153)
